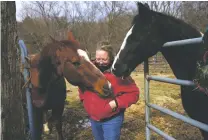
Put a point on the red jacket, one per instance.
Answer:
(98, 108)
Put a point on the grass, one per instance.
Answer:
(162, 94)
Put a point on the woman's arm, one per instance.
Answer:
(81, 94)
(128, 93)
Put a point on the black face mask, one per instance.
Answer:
(103, 68)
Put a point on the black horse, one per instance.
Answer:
(149, 31)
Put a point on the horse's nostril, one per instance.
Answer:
(119, 69)
(107, 89)
(107, 86)
(112, 70)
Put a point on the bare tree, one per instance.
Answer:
(12, 115)
(41, 19)
(114, 10)
(196, 13)
(91, 22)
(168, 7)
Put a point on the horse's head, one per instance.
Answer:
(38, 94)
(73, 63)
(32, 63)
(141, 41)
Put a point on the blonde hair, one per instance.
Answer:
(109, 49)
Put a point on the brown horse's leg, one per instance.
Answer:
(57, 115)
(46, 123)
(38, 117)
(50, 124)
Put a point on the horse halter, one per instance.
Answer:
(200, 88)
(37, 99)
(27, 66)
(205, 57)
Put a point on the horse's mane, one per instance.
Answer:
(178, 23)
(46, 67)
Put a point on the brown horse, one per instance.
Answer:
(56, 61)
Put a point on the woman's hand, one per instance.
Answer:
(113, 105)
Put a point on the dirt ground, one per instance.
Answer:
(162, 94)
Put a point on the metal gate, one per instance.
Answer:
(25, 72)
(148, 105)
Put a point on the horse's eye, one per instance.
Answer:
(76, 64)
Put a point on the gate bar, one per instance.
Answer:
(183, 42)
(170, 80)
(147, 79)
(146, 91)
(180, 117)
(161, 133)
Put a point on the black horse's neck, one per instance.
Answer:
(182, 59)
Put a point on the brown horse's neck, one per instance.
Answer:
(46, 73)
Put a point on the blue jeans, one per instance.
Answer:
(108, 130)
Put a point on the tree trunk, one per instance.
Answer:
(11, 110)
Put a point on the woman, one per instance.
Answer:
(107, 115)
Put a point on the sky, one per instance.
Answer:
(18, 10)
(19, 6)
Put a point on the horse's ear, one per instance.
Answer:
(142, 6)
(143, 9)
(71, 36)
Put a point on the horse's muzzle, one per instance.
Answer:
(107, 90)
(104, 90)
(121, 70)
